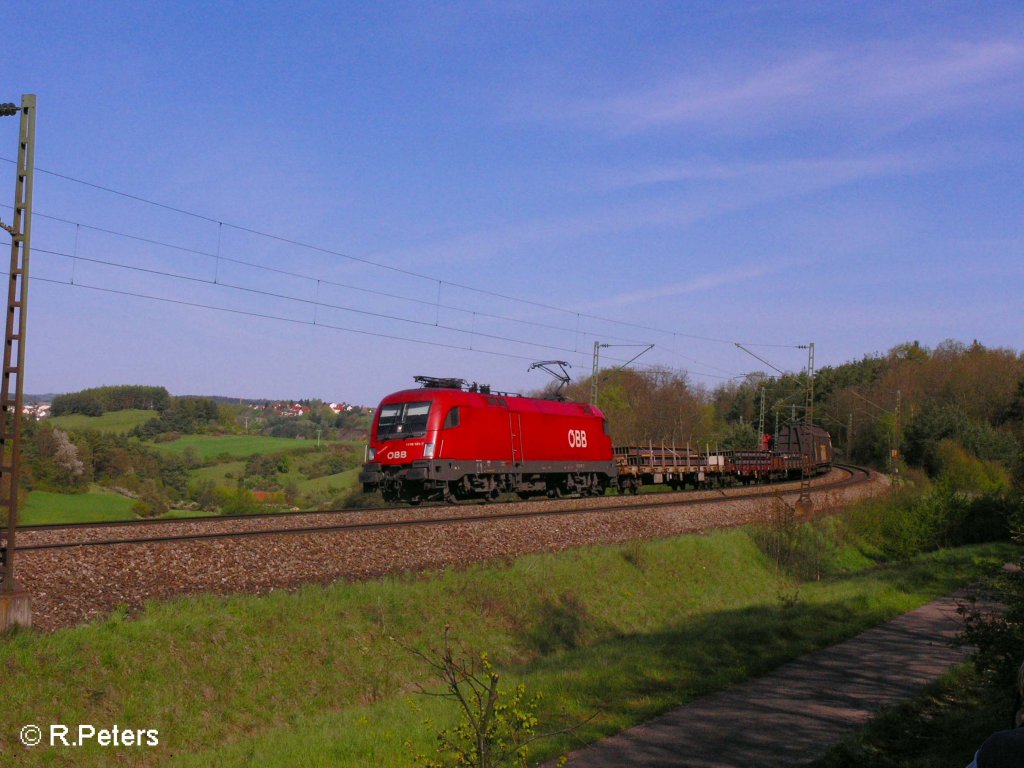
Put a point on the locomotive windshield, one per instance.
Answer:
(399, 420)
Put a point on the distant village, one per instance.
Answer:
(298, 409)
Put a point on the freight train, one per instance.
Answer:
(451, 441)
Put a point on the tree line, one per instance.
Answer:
(955, 407)
(98, 400)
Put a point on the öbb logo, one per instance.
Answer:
(577, 438)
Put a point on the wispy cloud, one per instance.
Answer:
(699, 284)
(799, 174)
(722, 188)
(905, 81)
(726, 187)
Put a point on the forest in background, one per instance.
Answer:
(956, 408)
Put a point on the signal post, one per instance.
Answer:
(15, 605)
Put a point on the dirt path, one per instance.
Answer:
(795, 714)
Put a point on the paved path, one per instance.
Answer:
(794, 714)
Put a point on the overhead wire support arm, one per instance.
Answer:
(645, 350)
(597, 354)
(778, 370)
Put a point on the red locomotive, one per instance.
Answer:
(450, 441)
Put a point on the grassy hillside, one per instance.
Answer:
(98, 505)
(112, 421)
(234, 446)
(342, 481)
(622, 632)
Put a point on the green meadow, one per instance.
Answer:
(112, 421)
(209, 447)
(98, 505)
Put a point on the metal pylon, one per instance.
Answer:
(804, 503)
(12, 389)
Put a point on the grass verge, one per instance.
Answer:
(312, 678)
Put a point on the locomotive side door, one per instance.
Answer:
(515, 430)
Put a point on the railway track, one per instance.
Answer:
(79, 573)
(63, 536)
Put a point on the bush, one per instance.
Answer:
(238, 501)
(798, 548)
(968, 473)
(495, 728)
(915, 521)
(153, 502)
(997, 636)
(896, 527)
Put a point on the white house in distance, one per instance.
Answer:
(37, 410)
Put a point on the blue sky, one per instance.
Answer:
(493, 183)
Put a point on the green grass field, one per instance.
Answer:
(114, 421)
(235, 446)
(608, 635)
(218, 473)
(343, 481)
(98, 505)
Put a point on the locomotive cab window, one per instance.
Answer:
(399, 420)
(452, 419)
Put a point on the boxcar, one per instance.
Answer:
(812, 443)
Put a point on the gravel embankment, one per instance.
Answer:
(69, 586)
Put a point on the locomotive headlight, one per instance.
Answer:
(371, 454)
(428, 451)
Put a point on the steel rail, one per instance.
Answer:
(855, 475)
(212, 519)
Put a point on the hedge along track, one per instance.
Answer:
(64, 536)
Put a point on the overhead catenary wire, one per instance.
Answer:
(314, 303)
(219, 256)
(267, 316)
(318, 280)
(381, 265)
